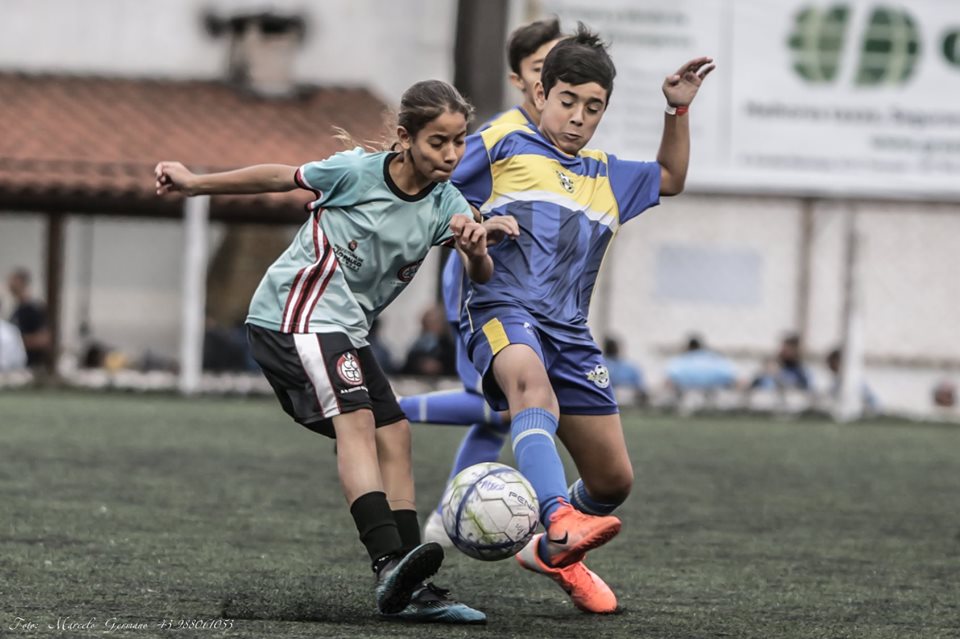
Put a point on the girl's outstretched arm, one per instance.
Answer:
(173, 177)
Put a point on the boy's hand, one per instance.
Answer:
(173, 177)
(681, 87)
(471, 237)
(500, 227)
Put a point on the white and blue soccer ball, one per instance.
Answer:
(490, 511)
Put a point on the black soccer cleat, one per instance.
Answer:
(400, 578)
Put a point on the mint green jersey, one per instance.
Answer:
(362, 245)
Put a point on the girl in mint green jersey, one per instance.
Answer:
(373, 218)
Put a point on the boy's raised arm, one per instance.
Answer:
(674, 155)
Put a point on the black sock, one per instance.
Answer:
(409, 528)
(377, 525)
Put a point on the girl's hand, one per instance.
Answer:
(471, 237)
(173, 177)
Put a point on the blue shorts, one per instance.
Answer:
(574, 363)
(468, 374)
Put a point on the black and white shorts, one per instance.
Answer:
(318, 376)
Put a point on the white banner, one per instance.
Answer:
(844, 98)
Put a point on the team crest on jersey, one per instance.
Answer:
(599, 376)
(565, 181)
(406, 273)
(348, 368)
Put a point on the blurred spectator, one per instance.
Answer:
(434, 351)
(787, 371)
(834, 363)
(945, 394)
(30, 316)
(226, 350)
(624, 375)
(380, 351)
(13, 356)
(700, 369)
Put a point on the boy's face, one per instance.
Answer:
(438, 147)
(526, 80)
(570, 114)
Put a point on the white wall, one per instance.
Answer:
(911, 287)
(744, 249)
(384, 45)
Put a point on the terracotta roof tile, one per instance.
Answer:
(86, 142)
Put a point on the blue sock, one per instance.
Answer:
(582, 501)
(537, 458)
(481, 444)
(458, 408)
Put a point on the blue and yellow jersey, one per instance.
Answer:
(453, 278)
(568, 209)
(514, 115)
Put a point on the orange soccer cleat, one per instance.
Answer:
(571, 533)
(587, 591)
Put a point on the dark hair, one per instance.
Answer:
(694, 343)
(22, 274)
(525, 40)
(419, 105)
(579, 59)
(428, 99)
(792, 339)
(611, 347)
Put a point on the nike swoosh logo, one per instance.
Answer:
(562, 540)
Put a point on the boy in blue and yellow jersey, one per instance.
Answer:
(527, 328)
(527, 48)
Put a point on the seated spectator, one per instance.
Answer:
(434, 351)
(380, 350)
(624, 375)
(700, 369)
(787, 371)
(834, 363)
(945, 394)
(13, 356)
(30, 317)
(225, 350)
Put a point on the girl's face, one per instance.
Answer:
(437, 148)
(570, 114)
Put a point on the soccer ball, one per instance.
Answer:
(490, 511)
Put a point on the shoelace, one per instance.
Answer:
(438, 593)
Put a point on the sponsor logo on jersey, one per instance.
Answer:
(599, 376)
(565, 181)
(406, 273)
(347, 257)
(348, 368)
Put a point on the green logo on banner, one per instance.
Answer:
(888, 54)
(817, 43)
(951, 48)
(891, 48)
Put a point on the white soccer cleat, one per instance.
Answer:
(434, 531)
